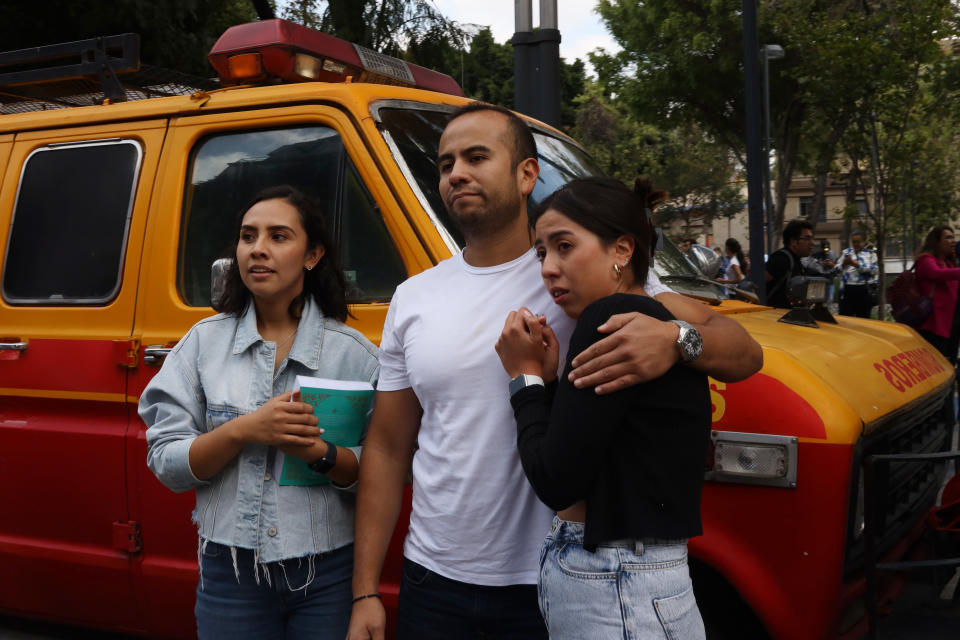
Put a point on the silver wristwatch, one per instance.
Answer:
(689, 341)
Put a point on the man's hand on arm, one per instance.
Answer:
(642, 348)
(387, 452)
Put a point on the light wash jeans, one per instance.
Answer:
(626, 590)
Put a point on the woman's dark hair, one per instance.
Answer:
(931, 243)
(607, 208)
(325, 282)
(734, 246)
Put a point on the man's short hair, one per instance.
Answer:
(793, 230)
(858, 232)
(524, 146)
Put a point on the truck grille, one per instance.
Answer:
(903, 491)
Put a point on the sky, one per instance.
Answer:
(581, 30)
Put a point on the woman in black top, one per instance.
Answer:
(624, 470)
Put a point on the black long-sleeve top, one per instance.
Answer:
(637, 455)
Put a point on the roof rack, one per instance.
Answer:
(84, 73)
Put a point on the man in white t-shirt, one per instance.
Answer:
(470, 558)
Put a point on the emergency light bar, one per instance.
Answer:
(278, 50)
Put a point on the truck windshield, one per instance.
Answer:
(413, 135)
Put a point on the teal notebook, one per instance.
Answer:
(341, 406)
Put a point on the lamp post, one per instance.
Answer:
(768, 52)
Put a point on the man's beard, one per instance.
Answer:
(489, 219)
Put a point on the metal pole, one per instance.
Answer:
(913, 206)
(754, 167)
(768, 198)
(548, 14)
(903, 215)
(524, 51)
(548, 53)
(523, 15)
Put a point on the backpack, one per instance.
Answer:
(908, 304)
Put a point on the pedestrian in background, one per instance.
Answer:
(733, 273)
(937, 276)
(858, 271)
(787, 262)
(824, 262)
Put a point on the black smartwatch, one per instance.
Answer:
(523, 381)
(327, 462)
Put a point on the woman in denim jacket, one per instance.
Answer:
(624, 470)
(275, 560)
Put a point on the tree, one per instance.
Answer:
(698, 173)
(681, 64)
(176, 34)
(387, 26)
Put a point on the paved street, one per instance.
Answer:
(918, 615)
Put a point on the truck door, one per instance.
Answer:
(212, 165)
(72, 213)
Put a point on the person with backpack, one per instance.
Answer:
(937, 276)
(787, 262)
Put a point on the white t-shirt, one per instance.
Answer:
(474, 518)
(730, 274)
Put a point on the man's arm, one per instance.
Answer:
(387, 452)
(642, 348)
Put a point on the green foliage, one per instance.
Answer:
(176, 34)
(852, 69)
(387, 26)
(698, 173)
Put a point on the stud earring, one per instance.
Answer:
(308, 267)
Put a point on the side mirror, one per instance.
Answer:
(218, 280)
(705, 260)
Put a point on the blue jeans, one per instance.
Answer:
(625, 589)
(433, 607)
(303, 598)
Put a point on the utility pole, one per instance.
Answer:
(536, 62)
(754, 155)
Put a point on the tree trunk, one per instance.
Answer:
(346, 17)
(819, 189)
(263, 9)
(786, 161)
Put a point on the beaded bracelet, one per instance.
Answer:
(368, 595)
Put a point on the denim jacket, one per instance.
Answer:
(223, 369)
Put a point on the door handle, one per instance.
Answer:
(13, 345)
(155, 353)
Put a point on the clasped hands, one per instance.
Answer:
(638, 348)
(287, 423)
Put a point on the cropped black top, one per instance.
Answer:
(637, 455)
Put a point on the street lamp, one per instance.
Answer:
(768, 52)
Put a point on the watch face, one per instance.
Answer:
(692, 344)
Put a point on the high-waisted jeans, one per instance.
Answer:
(625, 590)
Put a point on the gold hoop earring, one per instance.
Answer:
(617, 270)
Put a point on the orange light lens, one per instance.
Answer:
(245, 66)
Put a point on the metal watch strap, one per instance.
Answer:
(689, 341)
(327, 462)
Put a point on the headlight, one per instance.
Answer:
(753, 458)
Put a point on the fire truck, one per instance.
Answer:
(117, 182)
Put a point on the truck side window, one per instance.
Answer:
(227, 170)
(69, 232)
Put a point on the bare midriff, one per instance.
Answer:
(576, 512)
